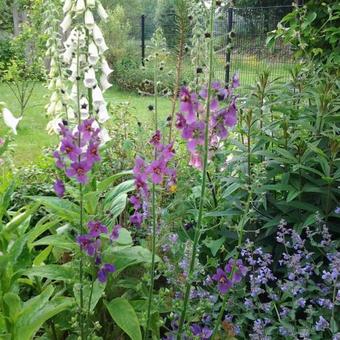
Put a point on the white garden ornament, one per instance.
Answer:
(9, 119)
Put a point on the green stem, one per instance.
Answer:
(81, 222)
(152, 272)
(220, 315)
(203, 187)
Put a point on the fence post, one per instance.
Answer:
(143, 38)
(228, 54)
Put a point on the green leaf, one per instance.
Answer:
(39, 229)
(124, 237)
(214, 245)
(37, 311)
(53, 272)
(121, 188)
(61, 207)
(97, 292)
(116, 207)
(13, 303)
(42, 256)
(125, 317)
(58, 241)
(128, 256)
(104, 185)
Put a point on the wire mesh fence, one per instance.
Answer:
(240, 42)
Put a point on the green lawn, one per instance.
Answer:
(32, 136)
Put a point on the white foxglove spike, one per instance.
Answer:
(104, 83)
(98, 35)
(101, 11)
(80, 6)
(67, 6)
(89, 20)
(98, 98)
(103, 115)
(106, 68)
(93, 54)
(11, 121)
(66, 23)
(91, 3)
(90, 78)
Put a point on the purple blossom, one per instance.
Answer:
(79, 170)
(104, 271)
(321, 325)
(196, 161)
(188, 104)
(202, 333)
(156, 140)
(96, 228)
(224, 284)
(157, 170)
(92, 153)
(137, 219)
(59, 188)
(194, 133)
(88, 244)
(59, 162)
(115, 232)
(337, 210)
(70, 149)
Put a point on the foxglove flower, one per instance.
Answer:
(90, 78)
(89, 20)
(98, 98)
(67, 6)
(101, 11)
(66, 23)
(88, 244)
(80, 6)
(79, 170)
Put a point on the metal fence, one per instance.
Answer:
(248, 54)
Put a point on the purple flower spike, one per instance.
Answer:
(59, 188)
(86, 129)
(96, 228)
(104, 271)
(156, 140)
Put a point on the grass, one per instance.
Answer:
(32, 136)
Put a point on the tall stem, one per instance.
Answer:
(81, 218)
(154, 217)
(220, 316)
(204, 180)
(152, 272)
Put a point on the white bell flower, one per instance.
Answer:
(106, 69)
(101, 11)
(103, 48)
(11, 121)
(59, 83)
(93, 54)
(70, 114)
(89, 20)
(74, 92)
(98, 98)
(80, 6)
(84, 107)
(51, 109)
(104, 136)
(104, 83)
(97, 35)
(53, 125)
(103, 114)
(66, 23)
(58, 106)
(67, 6)
(67, 56)
(90, 78)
